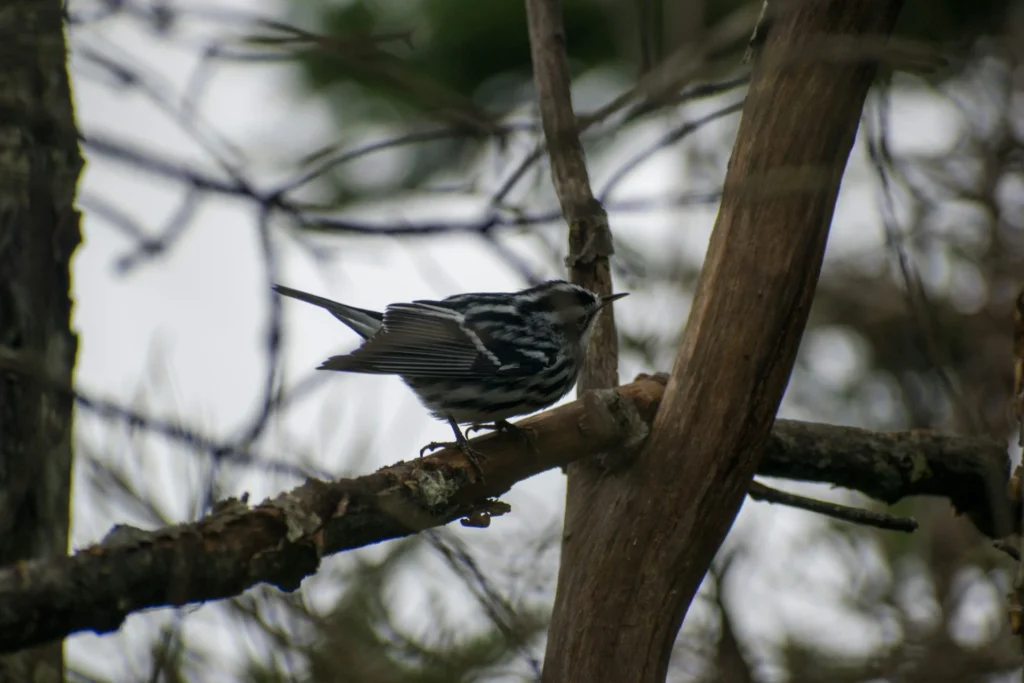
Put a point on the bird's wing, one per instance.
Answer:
(421, 339)
(503, 338)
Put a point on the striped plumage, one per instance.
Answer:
(475, 358)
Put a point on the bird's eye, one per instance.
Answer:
(581, 320)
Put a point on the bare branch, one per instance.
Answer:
(890, 466)
(590, 246)
(881, 520)
(590, 238)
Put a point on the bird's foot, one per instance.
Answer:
(474, 456)
(523, 433)
(496, 426)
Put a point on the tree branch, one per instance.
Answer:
(590, 246)
(281, 541)
(880, 520)
(590, 238)
(749, 312)
(889, 466)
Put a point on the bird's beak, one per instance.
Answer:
(605, 300)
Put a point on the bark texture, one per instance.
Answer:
(39, 230)
(638, 543)
(590, 238)
(281, 541)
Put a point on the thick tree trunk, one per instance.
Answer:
(637, 544)
(39, 230)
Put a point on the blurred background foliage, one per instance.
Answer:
(401, 63)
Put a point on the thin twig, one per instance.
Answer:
(880, 520)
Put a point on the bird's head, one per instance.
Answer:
(571, 308)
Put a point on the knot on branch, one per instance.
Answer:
(612, 417)
(590, 237)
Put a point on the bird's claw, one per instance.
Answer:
(492, 426)
(436, 445)
(496, 426)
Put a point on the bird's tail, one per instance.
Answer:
(363, 322)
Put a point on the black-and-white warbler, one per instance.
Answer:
(475, 358)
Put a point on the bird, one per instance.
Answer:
(474, 358)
